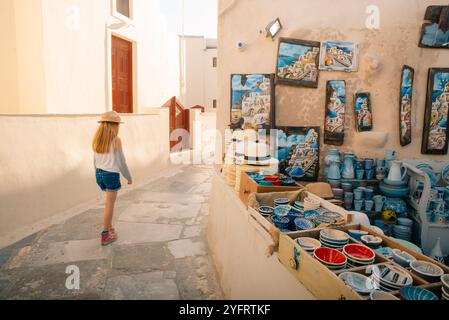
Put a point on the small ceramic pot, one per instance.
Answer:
(369, 205)
(369, 194)
(369, 164)
(358, 194)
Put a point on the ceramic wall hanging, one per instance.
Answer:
(436, 134)
(297, 62)
(363, 112)
(435, 34)
(252, 101)
(334, 125)
(339, 56)
(298, 152)
(405, 113)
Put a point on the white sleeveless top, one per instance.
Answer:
(107, 161)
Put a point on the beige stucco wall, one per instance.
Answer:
(395, 44)
(47, 164)
(9, 99)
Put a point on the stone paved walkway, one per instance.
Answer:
(161, 252)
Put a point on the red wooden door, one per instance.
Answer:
(122, 75)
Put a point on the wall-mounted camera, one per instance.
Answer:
(240, 45)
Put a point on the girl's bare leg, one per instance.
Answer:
(109, 209)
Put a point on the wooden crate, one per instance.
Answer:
(248, 186)
(324, 283)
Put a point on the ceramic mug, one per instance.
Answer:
(359, 164)
(379, 202)
(358, 194)
(358, 205)
(369, 194)
(370, 174)
(369, 164)
(369, 205)
(360, 174)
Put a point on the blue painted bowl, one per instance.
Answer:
(416, 293)
(304, 224)
(394, 191)
(282, 211)
(281, 222)
(357, 234)
(266, 211)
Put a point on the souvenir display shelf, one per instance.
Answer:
(428, 232)
(325, 284)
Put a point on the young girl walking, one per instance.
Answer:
(109, 162)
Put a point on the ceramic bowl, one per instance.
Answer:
(359, 252)
(311, 204)
(357, 234)
(387, 252)
(392, 276)
(266, 210)
(427, 270)
(334, 235)
(281, 211)
(330, 257)
(282, 201)
(394, 191)
(382, 295)
(308, 244)
(402, 258)
(445, 281)
(303, 224)
(416, 293)
(370, 240)
(358, 282)
(280, 222)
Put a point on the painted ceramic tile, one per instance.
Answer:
(334, 125)
(252, 99)
(298, 152)
(363, 112)
(405, 113)
(339, 56)
(436, 134)
(297, 62)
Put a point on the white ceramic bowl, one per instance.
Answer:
(334, 235)
(382, 295)
(401, 276)
(308, 244)
(402, 257)
(358, 282)
(445, 281)
(427, 270)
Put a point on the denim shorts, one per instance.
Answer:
(108, 181)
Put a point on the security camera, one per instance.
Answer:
(240, 45)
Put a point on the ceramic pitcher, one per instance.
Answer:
(333, 172)
(348, 167)
(397, 171)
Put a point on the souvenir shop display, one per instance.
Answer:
(405, 105)
(363, 112)
(339, 56)
(252, 101)
(334, 125)
(436, 134)
(298, 152)
(297, 62)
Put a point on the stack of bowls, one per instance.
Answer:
(308, 244)
(281, 202)
(426, 270)
(281, 223)
(334, 239)
(390, 278)
(358, 255)
(445, 287)
(402, 258)
(331, 258)
(299, 205)
(358, 282)
(402, 232)
(266, 211)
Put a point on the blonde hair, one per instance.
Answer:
(106, 133)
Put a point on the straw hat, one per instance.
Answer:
(110, 116)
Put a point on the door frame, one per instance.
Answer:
(109, 96)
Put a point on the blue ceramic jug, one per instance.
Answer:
(333, 172)
(348, 167)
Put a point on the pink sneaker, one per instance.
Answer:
(108, 238)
